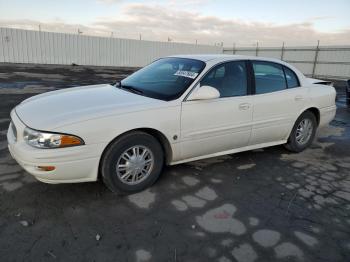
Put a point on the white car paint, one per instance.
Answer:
(100, 113)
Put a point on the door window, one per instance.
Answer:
(230, 79)
(269, 77)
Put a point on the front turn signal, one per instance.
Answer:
(67, 140)
(46, 168)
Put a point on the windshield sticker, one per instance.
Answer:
(188, 74)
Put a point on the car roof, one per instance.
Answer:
(212, 59)
(224, 57)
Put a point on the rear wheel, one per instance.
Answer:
(132, 163)
(303, 132)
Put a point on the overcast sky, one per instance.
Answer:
(297, 22)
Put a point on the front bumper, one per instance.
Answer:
(72, 164)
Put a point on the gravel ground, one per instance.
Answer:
(261, 205)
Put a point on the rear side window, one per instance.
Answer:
(269, 77)
(291, 77)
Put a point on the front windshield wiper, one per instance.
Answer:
(129, 88)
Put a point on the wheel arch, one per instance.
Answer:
(162, 139)
(316, 113)
(314, 110)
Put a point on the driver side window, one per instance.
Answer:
(230, 79)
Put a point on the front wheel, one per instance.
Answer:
(303, 132)
(132, 163)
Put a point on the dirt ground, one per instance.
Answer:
(261, 205)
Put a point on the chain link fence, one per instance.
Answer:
(327, 62)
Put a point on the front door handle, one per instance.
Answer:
(244, 106)
(298, 98)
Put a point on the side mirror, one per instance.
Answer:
(204, 93)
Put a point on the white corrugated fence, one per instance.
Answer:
(25, 46)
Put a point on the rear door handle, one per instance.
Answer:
(298, 98)
(244, 106)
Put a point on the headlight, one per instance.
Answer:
(50, 140)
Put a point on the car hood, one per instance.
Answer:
(67, 106)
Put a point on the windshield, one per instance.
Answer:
(165, 79)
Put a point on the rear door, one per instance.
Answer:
(277, 101)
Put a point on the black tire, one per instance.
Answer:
(292, 144)
(113, 154)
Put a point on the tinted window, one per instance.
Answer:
(269, 77)
(166, 78)
(292, 79)
(230, 79)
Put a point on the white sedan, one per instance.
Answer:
(175, 110)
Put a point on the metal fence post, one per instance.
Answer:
(316, 57)
(282, 51)
(348, 92)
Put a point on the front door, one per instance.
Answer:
(216, 125)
